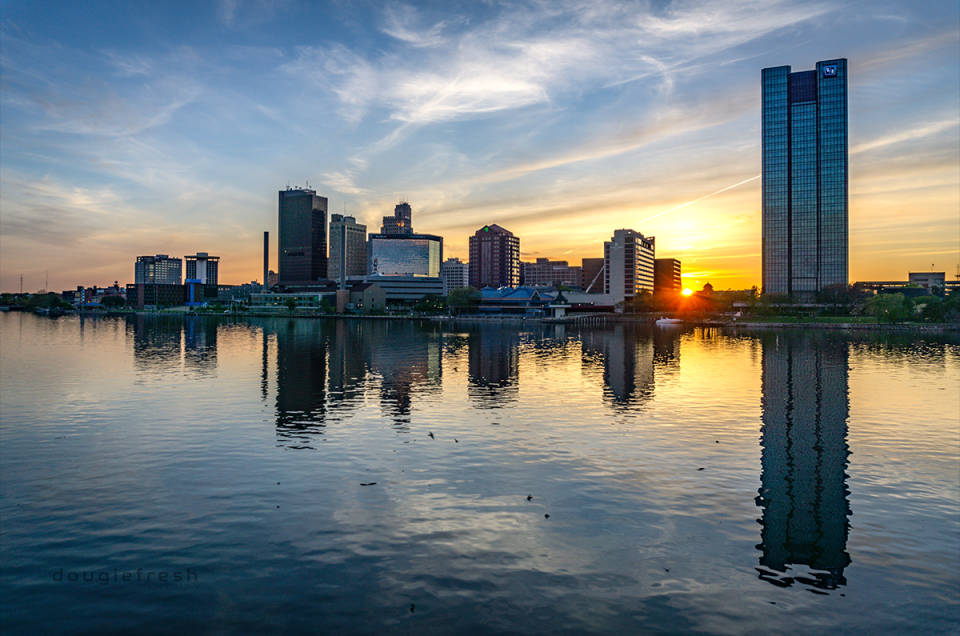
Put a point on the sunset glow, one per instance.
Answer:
(687, 291)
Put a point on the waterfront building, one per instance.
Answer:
(155, 295)
(805, 176)
(628, 259)
(494, 258)
(929, 281)
(455, 274)
(159, 269)
(405, 255)
(367, 297)
(348, 248)
(591, 275)
(666, 276)
(407, 289)
(401, 222)
(303, 236)
(547, 273)
(203, 268)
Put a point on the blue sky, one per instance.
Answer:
(140, 128)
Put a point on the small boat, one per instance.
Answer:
(665, 322)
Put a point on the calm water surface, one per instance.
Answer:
(695, 481)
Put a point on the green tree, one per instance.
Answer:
(325, 306)
(463, 299)
(430, 304)
(889, 307)
(112, 301)
(49, 300)
(291, 305)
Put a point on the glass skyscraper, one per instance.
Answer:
(805, 174)
(303, 236)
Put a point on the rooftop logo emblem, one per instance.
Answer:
(830, 70)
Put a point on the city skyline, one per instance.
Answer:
(153, 138)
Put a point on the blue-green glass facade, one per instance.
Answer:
(805, 174)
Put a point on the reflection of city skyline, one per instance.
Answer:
(627, 356)
(803, 493)
(324, 370)
(301, 399)
(494, 365)
(189, 341)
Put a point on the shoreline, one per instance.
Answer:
(583, 320)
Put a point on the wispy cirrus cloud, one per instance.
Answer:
(403, 22)
(914, 132)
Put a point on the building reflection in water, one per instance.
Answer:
(494, 361)
(803, 493)
(301, 380)
(325, 368)
(626, 352)
(200, 343)
(407, 360)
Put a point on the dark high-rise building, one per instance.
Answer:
(159, 269)
(666, 275)
(303, 236)
(591, 274)
(348, 248)
(401, 222)
(805, 174)
(494, 258)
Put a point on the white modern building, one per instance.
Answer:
(628, 263)
(455, 274)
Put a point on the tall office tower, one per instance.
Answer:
(455, 274)
(628, 264)
(591, 279)
(666, 275)
(494, 258)
(805, 173)
(160, 269)
(803, 482)
(202, 267)
(348, 248)
(401, 222)
(303, 236)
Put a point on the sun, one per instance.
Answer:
(687, 291)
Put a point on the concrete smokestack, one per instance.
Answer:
(266, 260)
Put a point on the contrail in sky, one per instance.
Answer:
(706, 196)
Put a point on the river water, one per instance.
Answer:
(204, 475)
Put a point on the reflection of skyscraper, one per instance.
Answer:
(803, 491)
(200, 342)
(626, 353)
(407, 359)
(156, 342)
(494, 360)
(347, 362)
(301, 378)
